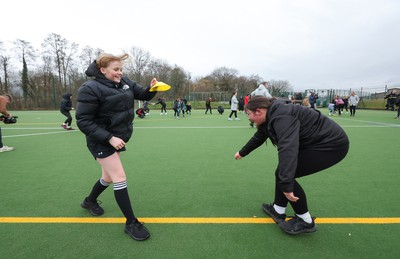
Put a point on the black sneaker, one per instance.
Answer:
(137, 231)
(297, 225)
(92, 207)
(269, 209)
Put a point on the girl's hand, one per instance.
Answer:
(117, 143)
(290, 196)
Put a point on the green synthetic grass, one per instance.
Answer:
(185, 168)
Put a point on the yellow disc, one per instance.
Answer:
(160, 87)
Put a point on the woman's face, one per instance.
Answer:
(113, 71)
(258, 116)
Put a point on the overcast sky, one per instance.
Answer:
(321, 44)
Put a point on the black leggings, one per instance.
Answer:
(68, 121)
(309, 162)
(233, 113)
(352, 109)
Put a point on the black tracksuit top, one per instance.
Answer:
(293, 128)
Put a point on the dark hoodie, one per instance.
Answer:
(66, 104)
(105, 108)
(293, 128)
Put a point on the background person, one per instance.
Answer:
(397, 103)
(208, 105)
(391, 98)
(163, 106)
(105, 112)
(65, 108)
(262, 90)
(312, 100)
(241, 104)
(346, 103)
(353, 102)
(339, 104)
(4, 100)
(234, 105)
(246, 100)
(307, 142)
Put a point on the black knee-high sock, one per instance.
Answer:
(124, 203)
(98, 188)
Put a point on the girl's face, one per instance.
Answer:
(113, 71)
(258, 116)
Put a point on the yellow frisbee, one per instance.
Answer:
(160, 87)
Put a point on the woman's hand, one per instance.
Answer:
(117, 143)
(290, 196)
(237, 156)
(153, 82)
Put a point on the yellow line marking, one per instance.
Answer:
(191, 220)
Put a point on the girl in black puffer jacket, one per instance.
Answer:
(104, 113)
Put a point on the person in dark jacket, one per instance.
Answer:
(65, 108)
(208, 105)
(104, 113)
(163, 106)
(307, 142)
(313, 99)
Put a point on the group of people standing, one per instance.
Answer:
(339, 104)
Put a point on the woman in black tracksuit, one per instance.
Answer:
(65, 108)
(307, 142)
(104, 113)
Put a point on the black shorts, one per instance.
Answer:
(102, 150)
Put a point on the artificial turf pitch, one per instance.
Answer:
(196, 200)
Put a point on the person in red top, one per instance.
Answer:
(246, 100)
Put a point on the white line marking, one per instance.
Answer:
(37, 134)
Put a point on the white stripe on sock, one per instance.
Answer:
(120, 185)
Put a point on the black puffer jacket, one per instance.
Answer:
(293, 128)
(105, 109)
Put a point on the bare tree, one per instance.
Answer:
(87, 56)
(1, 66)
(24, 49)
(179, 80)
(62, 52)
(224, 78)
(159, 69)
(139, 62)
(280, 87)
(25, 53)
(4, 65)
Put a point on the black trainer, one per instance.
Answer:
(297, 225)
(137, 231)
(269, 209)
(93, 207)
